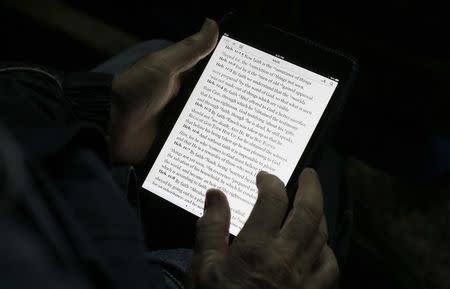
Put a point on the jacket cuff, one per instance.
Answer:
(90, 94)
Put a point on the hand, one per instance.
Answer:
(143, 90)
(267, 253)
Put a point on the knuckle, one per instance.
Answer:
(265, 257)
(310, 214)
(210, 220)
(284, 263)
(272, 266)
(164, 71)
(330, 266)
(322, 233)
(251, 253)
(159, 66)
(333, 270)
(274, 194)
(278, 198)
(152, 57)
(323, 236)
(333, 262)
(191, 41)
(215, 219)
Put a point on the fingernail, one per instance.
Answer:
(306, 173)
(260, 175)
(311, 171)
(206, 23)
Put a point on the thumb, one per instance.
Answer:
(213, 226)
(183, 55)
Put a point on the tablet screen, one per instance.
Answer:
(249, 111)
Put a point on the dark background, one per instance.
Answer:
(402, 46)
(397, 108)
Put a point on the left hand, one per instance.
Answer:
(143, 90)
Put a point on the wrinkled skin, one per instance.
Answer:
(144, 89)
(267, 253)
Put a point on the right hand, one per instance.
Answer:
(268, 253)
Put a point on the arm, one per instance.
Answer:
(45, 108)
(270, 251)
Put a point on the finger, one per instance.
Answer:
(309, 256)
(306, 214)
(270, 207)
(326, 271)
(185, 54)
(213, 226)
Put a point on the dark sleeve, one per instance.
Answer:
(45, 109)
(63, 217)
(90, 96)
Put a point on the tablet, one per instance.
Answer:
(263, 100)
